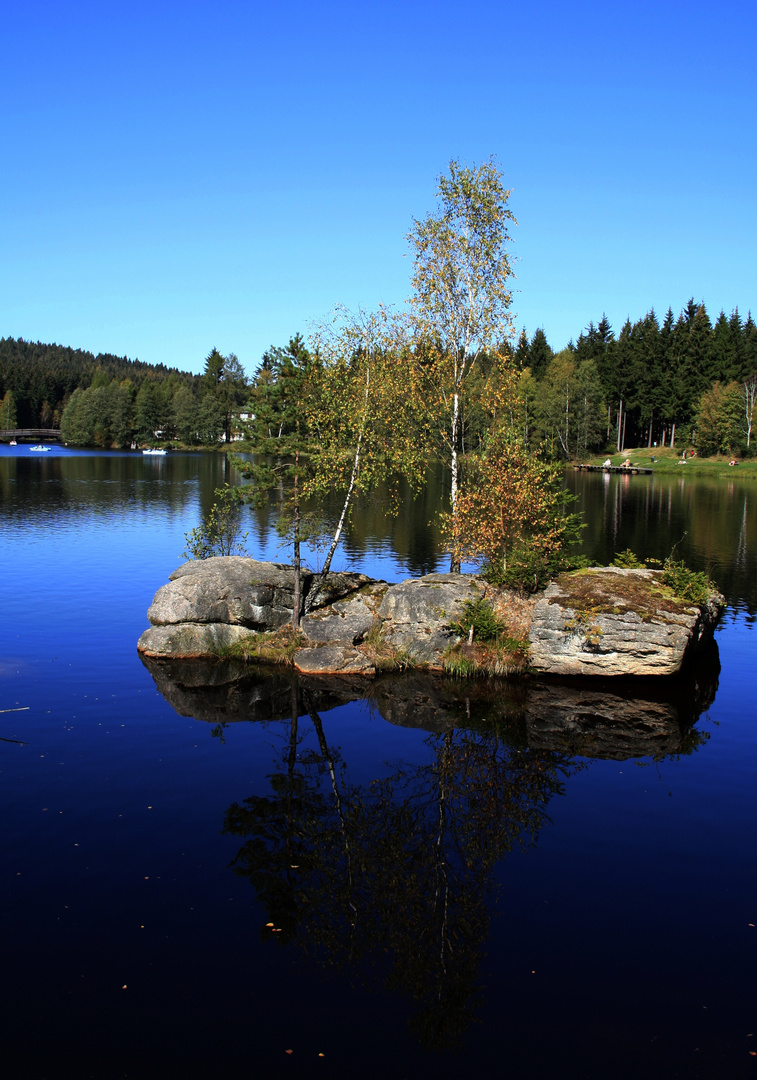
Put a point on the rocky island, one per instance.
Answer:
(600, 621)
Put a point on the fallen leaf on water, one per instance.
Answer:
(287, 1051)
(269, 924)
(124, 986)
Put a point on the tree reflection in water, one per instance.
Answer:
(391, 879)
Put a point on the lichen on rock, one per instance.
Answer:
(610, 621)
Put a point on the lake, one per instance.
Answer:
(271, 878)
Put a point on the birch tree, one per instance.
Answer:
(750, 396)
(368, 414)
(337, 417)
(461, 294)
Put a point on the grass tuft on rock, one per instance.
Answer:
(383, 656)
(276, 647)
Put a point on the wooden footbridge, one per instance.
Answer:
(33, 434)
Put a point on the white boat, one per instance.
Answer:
(159, 453)
(41, 449)
(13, 442)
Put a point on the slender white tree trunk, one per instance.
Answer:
(316, 589)
(454, 565)
(296, 602)
(343, 517)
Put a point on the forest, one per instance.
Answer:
(110, 401)
(445, 375)
(684, 379)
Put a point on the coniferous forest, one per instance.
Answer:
(110, 401)
(680, 380)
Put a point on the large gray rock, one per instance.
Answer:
(235, 593)
(333, 659)
(231, 589)
(191, 640)
(608, 621)
(346, 621)
(417, 614)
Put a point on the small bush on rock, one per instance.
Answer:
(219, 533)
(693, 585)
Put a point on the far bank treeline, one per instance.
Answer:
(110, 401)
(682, 379)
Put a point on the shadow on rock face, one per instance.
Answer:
(594, 718)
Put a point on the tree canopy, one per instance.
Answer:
(461, 291)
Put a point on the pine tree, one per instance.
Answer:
(539, 354)
(280, 435)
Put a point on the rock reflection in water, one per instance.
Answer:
(593, 718)
(390, 880)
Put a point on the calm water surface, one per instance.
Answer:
(555, 881)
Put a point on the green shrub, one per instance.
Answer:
(627, 560)
(479, 615)
(219, 533)
(457, 665)
(530, 568)
(693, 585)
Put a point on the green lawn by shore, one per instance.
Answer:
(664, 460)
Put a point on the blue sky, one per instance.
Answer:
(179, 176)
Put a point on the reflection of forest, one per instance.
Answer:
(708, 519)
(390, 879)
(75, 485)
(413, 534)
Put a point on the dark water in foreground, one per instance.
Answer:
(544, 881)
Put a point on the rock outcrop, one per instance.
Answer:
(209, 605)
(213, 604)
(602, 621)
(417, 614)
(608, 621)
(191, 640)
